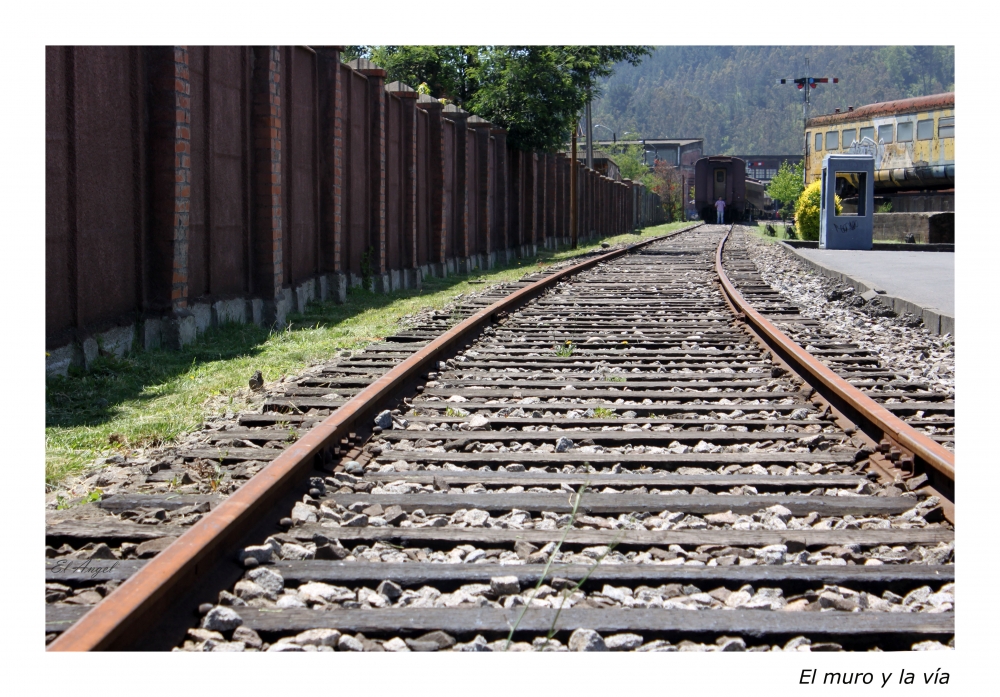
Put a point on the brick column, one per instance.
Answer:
(501, 238)
(481, 128)
(435, 164)
(170, 141)
(267, 128)
(459, 200)
(333, 282)
(408, 102)
(376, 171)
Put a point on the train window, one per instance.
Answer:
(720, 175)
(846, 138)
(832, 137)
(819, 142)
(885, 133)
(867, 132)
(904, 131)
(946, 127)
(925, 129)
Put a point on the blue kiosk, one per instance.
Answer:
(849, 174)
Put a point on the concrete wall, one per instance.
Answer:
(926, 228)
(192, 186)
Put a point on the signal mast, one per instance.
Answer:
(806, 85)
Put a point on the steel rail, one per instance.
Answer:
(923, 447)
(136, 604)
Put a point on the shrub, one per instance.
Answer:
(807, 211)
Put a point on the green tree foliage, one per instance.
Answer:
(807, 211)
(444, 68)
(728, 95)
(786, 186)
(630, 159)
(534, 92)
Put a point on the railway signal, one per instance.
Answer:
(806, 85)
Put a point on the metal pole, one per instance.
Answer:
(590, 137)
(805, 121)
(572, 191)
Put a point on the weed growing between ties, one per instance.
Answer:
(151, 397)
(569, 591)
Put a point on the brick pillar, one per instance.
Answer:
(501, 236)
(408, 101)
(268, 127)
(459, 199)
(435, 163)
(170, 141)
(560, 197)
(376, 170)
(481, 187)
(333, 282)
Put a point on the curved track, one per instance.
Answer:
(634, 460)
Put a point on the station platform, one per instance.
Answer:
(921, 283)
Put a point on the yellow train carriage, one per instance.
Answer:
(913, 141)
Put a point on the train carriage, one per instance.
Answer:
(720, 176)
(913, 141)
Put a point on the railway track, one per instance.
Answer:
(627, 462)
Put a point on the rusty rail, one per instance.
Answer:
(138, 602)
(922, 447)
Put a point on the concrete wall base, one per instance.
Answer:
(233, 311)
(152, 333)
(412, 278)
(336, 284)
(176, 332)
(304, 294)
(58, 361)
(382, 283)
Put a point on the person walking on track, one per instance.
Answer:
(720, 208)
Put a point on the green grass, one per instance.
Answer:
(151, 397)
(758, 230)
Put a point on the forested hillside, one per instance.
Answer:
(728, 95)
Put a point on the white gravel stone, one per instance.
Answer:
(505, 585)
(586, 640)
(563, 444)
(268, 579)
(349, 643)
(318, 637)
(384, 420)
(221, 619)
(623, 642)
(294, 552)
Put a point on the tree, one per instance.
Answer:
(666, 182)
(444, 68)
(534, 92)
(807, 211)
(631, 159)
(786, 186)
(537, 92)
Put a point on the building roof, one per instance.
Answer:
(653, 141)
(897, 106)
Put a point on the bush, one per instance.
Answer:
(807, 211)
